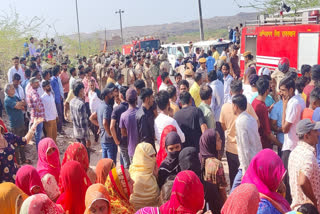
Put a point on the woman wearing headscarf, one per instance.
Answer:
(78, 152)
(102, 169)
(145, 187)
(120, 185)
(48, 167)
(162, 154)
(11, 198)
(29, 181)
(189, 160)
(8, 143)
(73, 183)
(40, 203)
(266, 171)
(211, 166)
(187, 195)
(244, 199)
(170, 165)
(97, 199)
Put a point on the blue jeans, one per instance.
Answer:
(237, 180)
(38, 133)
(124, 156)
(109, 150)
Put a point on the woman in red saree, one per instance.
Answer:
(74, 183)
(187, 195)
(29, 181)
(77, 152)
(162, 154)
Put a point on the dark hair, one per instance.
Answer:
(236, 86)
(214, 47)
(227, 66)
(105, 92)
(34, 73)
(119, 76)
(45, 83)
(71, 70)
(87, 70)
(81, 73)
(209, 53)
(308, 208)
(80, 67)
(45, 73)
(123, 90)
(172, 91)
(301, 83)
(55, 70)
(241, 101)
(164, 75)
(185, 97)
(16, 57)
(128, 62)
(315, 94)
(162, 99)
(288, 83)
(177, 75)
(292, 75)
(262, 85)
(197, 77)
(315, 73)
(77, 86)
(16, 76)
(33, 66)
(212, 76)
(305, 69)
(205, 92)
(22, 59)
(27, 73)
(183, 82)
(139, 84)
(145, 92)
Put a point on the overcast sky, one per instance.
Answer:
(100, 14)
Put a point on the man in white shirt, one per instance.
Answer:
(247, 136)
(50, 111)
(32, 48)
(15, 69)
(217, 94)
(227, 78)
(303, 167)
(72, 80)
(291, 116)
(163, 120)
(19, 92)
(165, 81)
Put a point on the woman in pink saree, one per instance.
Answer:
(266, 171)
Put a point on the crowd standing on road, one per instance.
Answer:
(171, 133)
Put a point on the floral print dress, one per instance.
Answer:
(8, 167)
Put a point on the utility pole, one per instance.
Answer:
(78, 27)
(120, 11)
(200, 21)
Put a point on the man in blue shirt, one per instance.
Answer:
(276, 122)
(14, 109)
(210, 61)
(57, 95)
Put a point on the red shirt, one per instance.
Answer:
(264, 130)
(307, 114)
(307, 91)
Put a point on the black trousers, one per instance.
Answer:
(285, 159)
(233, 163)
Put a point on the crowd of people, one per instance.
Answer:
(172, 134)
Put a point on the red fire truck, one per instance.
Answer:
(294, 37)
(145, 43)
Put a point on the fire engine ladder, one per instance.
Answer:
(303, 17)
